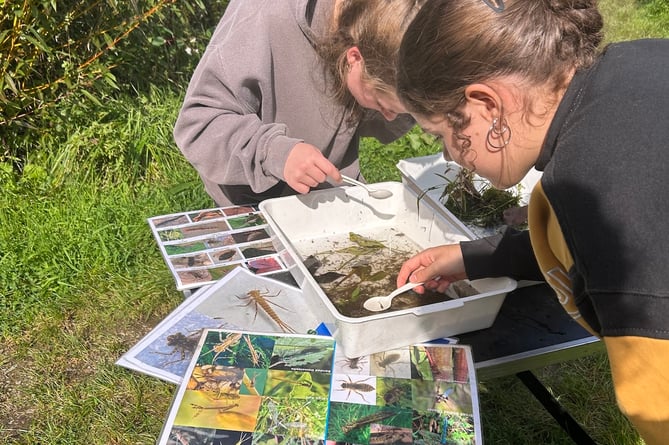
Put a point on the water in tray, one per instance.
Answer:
(352, 267)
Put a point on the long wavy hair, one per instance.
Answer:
(376, 28)
(454, 43)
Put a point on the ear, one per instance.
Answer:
(353, 55)
(484, 100)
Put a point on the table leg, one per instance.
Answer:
(563, 418)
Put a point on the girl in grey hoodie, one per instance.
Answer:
(286, 89)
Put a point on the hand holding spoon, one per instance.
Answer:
(374, 193)
(376, 304)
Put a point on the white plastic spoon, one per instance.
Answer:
(376, 304)
(374, 193)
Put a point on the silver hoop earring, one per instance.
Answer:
(499, 130)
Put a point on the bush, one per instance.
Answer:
(55, 51)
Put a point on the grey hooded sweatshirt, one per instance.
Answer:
(258, 90)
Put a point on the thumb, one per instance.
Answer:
(422, 275)
(333, 172)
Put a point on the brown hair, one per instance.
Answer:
(455, 43)
(376, 28)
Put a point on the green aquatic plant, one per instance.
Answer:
(474, 201)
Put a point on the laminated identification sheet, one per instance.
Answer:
(202, 246)
(262, 388)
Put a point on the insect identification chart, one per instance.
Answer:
(420, 394)
(241, 299)
(202, 246)
(252, 388)
(244, 388)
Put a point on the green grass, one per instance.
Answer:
(82, 280)
(378, 162)
(637, 19)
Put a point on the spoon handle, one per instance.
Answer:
(352, 181)
(404, 288)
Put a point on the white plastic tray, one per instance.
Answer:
(299, 222)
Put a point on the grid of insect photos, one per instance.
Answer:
(201, 247)
(266, 389)
(253, 388)
(421, 394)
